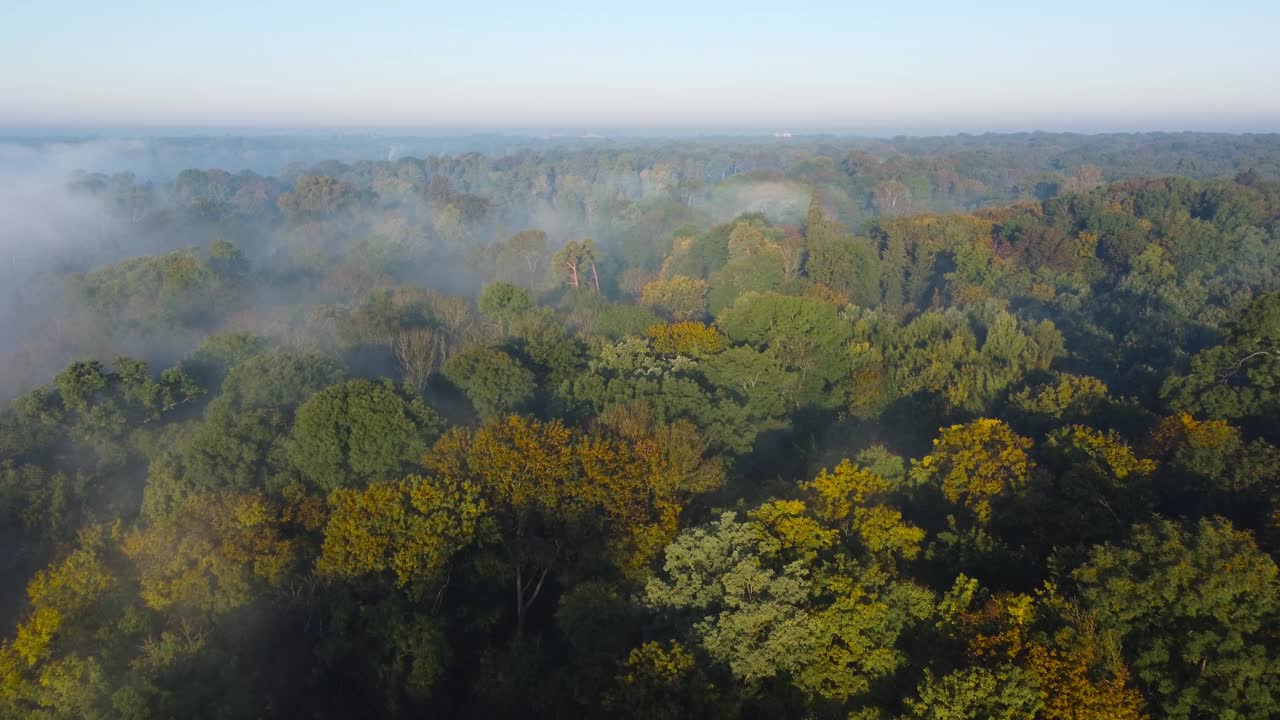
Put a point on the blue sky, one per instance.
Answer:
(786, 65)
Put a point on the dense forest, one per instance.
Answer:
(922, 428)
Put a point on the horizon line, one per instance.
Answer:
(583, 132)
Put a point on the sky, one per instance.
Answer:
(785, 65)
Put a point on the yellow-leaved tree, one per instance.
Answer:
(686, 338)
(546, 496)
(976, 463)
(219, 552)
(1054, 643)
(852, 499)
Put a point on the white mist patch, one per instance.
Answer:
(782, 201)
(48, 229)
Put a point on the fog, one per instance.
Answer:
(354, 341)
(397, 210)
(72, 205)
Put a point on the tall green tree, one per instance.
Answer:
(1194, 610)
(357, 432)
(494, 381)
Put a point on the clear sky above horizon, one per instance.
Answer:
(788, 65)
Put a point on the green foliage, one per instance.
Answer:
(664, 681)
(805, 335)
(684, 298)
(1240, 378)
(1099, 486)
(527, 252)
(504, 302)
(227, 261)
(1193, 610)
(1207, 460)
(574, 264)
(357, 432)
(1087, 358)
(495, 382)
(240, 443)
(618, 321)
(277, 379)
(216, 355)
(840, 261)
(317, 197)
(1000, 693)
(763, 604)
(146, 292)
(699, 256)
(939, 357)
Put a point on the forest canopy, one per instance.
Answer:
(971, 427)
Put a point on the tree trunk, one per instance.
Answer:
(532, 262)
(523, 604)
(520, 606)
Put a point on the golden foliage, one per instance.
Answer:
(1071, 688)
(969, 294)
(212, 552)
(411, 527)
(1109, 449)
(57, 596)
(1067, 393)
(852, 499)
(795, 531)
(1076, 677)
(827, 294)
(686, 338)
(1181, 430)
(1087, 244)
(978, 462)
(624, 481)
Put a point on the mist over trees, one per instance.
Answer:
(968, 427)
